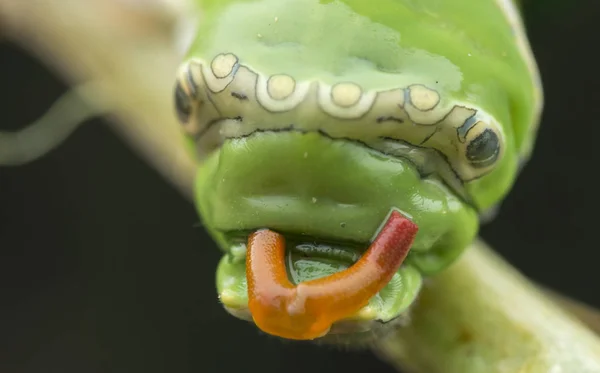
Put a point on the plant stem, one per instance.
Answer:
(483, 316)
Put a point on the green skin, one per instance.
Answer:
(336, 192)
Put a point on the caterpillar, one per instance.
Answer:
(316, 122)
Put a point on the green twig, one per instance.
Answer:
(587, 314)
(49, 131)
(482, 316)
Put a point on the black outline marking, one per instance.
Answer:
(389, 118)
(210, 99)
(206, 128)
(437, 129)
(183, 104)
(470, 122)
(291, 128)
(210, 124)
(191, 82)
(239, 96)
(462, 195)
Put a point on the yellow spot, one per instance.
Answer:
(366, 313)
(281, 87)
(229, 298)
(346, 94)
(222, 66)
(423, 98)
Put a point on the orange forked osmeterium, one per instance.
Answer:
(307, 310)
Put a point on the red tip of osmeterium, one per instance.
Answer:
(307, 310)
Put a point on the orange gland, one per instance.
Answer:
(307, 310)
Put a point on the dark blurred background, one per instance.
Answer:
(102, 267)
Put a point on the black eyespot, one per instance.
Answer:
(484, 150)
(183, 104)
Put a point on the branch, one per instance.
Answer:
(482, 316)
(127, 50)
(51, 130)
(585, 313)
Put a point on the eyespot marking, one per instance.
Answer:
(423, 98)
(183, 105)
(281, 86)
(191, 82)
(280, 93)
(241, 103)
(192, 102)
(484, 149)
(220, 72)
(223, 65)
(345, 100)
(346, 94)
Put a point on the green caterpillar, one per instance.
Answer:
(315, 118)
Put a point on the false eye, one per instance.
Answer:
(183, 104)
(484, 149)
